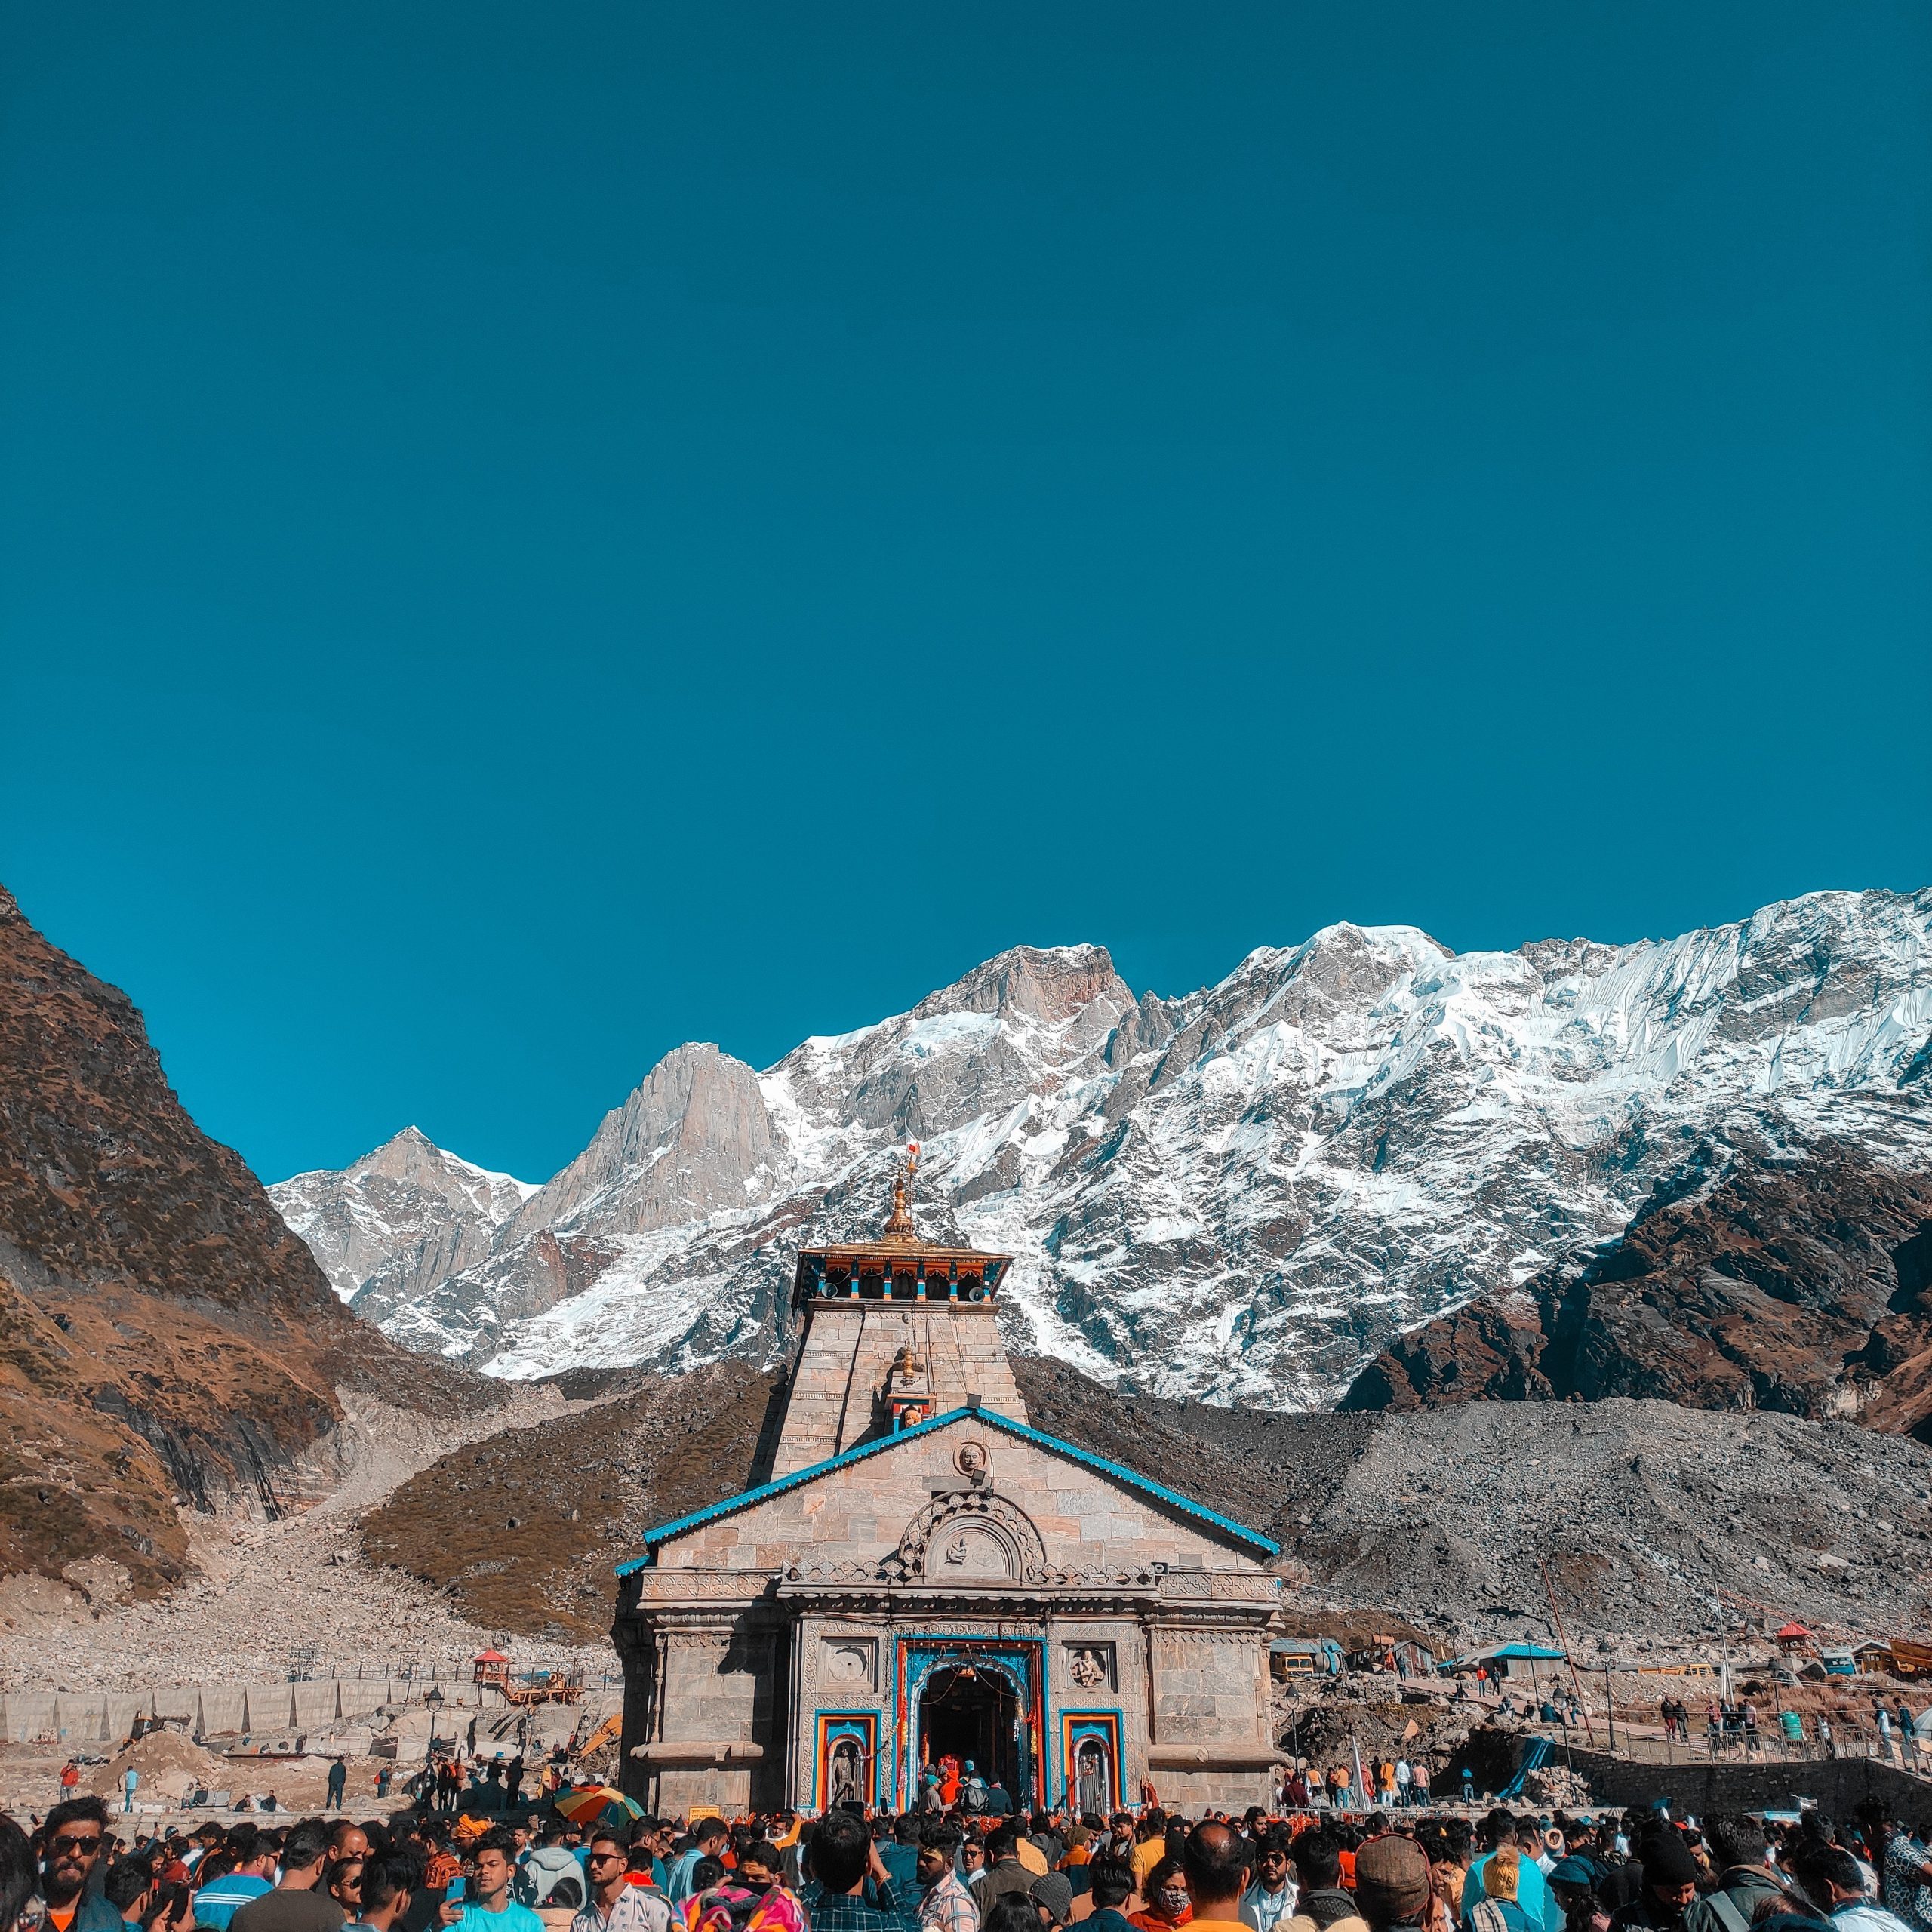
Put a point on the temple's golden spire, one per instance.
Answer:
(899, 1224)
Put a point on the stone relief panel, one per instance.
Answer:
(970, 1535)
(848, 1663)
(1089, 1666)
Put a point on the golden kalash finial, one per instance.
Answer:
(898, 1224)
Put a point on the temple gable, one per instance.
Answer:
(1010, 1503)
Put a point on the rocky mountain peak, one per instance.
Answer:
(1245, 1193)
(1051, 985)
(170, 1343)
(413, 1157)
(693, 1136)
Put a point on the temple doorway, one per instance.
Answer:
(971, 1712)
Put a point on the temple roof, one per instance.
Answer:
(898, 1250)
(1255, 1543)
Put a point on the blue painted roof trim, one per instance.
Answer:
(1132, 1479)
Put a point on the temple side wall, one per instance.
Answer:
(701, 1705)
(1209, 1688)
(1195, 1792)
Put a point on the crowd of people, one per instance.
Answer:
(421, 1870)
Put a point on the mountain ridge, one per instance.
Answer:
(1245, 1193)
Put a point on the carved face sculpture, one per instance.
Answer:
(971, 1461)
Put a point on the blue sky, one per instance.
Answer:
(533, 534)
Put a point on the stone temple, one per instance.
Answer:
(924, 1576)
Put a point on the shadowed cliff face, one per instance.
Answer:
(165, 1341)
(1749, 1281)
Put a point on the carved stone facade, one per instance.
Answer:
(941, 1588)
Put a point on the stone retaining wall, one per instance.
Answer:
(1836, 1785)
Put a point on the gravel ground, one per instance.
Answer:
(1645, 1513)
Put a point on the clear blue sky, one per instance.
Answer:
(533, 534)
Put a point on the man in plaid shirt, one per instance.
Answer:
(946, 1903)
(843, 1857)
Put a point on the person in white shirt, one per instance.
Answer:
(1831, 1879)
(1270, 1901)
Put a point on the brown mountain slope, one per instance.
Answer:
(521, 1531)
(1795, 1284)
(1435, 1521)
(164, 1340)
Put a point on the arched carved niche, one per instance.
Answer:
(970, 1536)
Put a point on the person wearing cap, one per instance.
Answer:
(1670, 1887)
(1500, 1910)
(1053, 1895)
(1392, 1889)
(1533, 1894)
(1573, 1880)
(1006, 1871)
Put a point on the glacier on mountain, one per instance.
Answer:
(1240, 1194)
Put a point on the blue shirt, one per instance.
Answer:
(217, 1903)
(513, 1918)
(901, 1867)
(1533, 1894)
(678, 1887)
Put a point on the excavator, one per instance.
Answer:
(608, 1732)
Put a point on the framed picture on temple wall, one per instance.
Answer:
(1090, 1761)
(850, 1663)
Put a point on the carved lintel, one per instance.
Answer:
(681, 1750)
(1212, 1757)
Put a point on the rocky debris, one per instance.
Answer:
(167, 1765)
(1643, 1511)
(1556, 1787)
(165, 1342)
(1249, 1192)
(1322, 1721)
(1758, 1277)
(1433, 1523)
(260, 1599)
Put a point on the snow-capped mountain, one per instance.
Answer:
(1243, 1193)
(401, 1220)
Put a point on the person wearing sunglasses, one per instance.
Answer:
(617, 1905)
(72, 1842)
